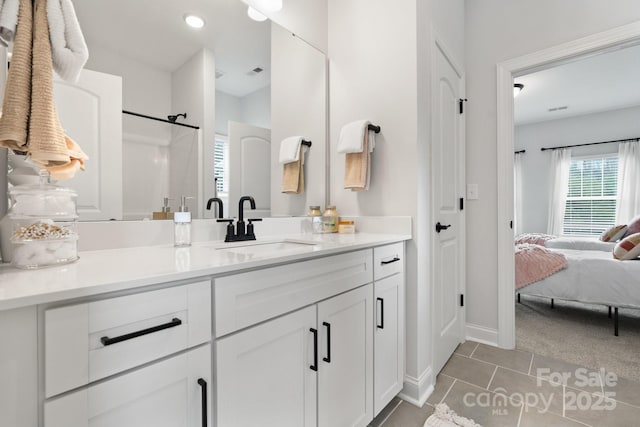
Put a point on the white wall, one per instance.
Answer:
(604, 126)
(381, 71)
(497, 30)
(191, 159)
(253, 109)
(298, 107)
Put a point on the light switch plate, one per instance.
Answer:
(472, 192)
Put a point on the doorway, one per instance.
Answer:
(507, 71)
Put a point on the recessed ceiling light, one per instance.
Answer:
(194, 21)
(255, 15)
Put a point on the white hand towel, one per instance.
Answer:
(352, 137)
(8, 20)
(68, 48)
(290, 149)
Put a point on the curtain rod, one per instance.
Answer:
(520, 152)
(159, 119)
(591, 143)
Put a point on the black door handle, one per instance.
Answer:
(394, 259)
(108, 341)
(440, 227)
(314, 367)
(381, 325)
(203, 385)
(328, 358)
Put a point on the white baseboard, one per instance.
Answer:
(482, 334)
(417, 390)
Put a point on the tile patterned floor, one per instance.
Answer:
(514, 388)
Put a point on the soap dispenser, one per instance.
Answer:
(165, 212)
(182, 224)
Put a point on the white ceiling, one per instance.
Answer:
(154, 32)
(607, 81)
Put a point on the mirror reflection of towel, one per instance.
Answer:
(293, 175)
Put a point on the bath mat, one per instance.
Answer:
(445, 417)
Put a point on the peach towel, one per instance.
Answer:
(293, 175)
(534, 263)
(357, 168)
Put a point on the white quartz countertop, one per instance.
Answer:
(97, 272)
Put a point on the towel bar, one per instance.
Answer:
(374, 128)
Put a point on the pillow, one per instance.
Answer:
(634, 226)
(613, 234)
(628, 248)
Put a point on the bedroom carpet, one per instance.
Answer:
(581, 334)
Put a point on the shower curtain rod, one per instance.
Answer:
(144, 116)
(591, 143)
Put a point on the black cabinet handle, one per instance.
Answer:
(381, 325)
(440, 227)
(314, 367)
(109, 341)
(328, 358)
(203, 385)
(395, 259)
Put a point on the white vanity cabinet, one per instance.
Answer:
(389, 323)
(311, 361)
(141, 360)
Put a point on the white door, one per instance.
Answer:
(448, 184)
(345, 347)
(264, 374)
(249, 168)
(90, 112)
(170, 393)
(388, 372)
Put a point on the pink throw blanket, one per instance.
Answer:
(534, 238)
(535, 262)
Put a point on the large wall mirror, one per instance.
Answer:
(236, 79)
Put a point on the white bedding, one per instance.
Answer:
(592, 277)
(580, 243)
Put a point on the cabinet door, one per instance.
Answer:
(264, 375)
(388, 340)
(345, 374)
(170, 393)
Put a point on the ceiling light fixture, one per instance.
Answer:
(267, 5)
(255, 15)
(194, 21)
(517, 88)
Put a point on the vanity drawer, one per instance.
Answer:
(87, 342)
(245, 299)
(388, 260)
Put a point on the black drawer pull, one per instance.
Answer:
(395, 259)
(328, 358)
(381, 325)
(203, 385)
(108, 341)
(314, 367)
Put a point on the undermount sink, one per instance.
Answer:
(270, 246)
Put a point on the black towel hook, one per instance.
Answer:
(307, 143)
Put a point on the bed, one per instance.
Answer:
(593, 277)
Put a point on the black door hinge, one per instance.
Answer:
(511, 224)
(461, 203)
(461, 102)
(461, 300)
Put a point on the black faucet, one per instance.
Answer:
(220, 206)
(240, 234)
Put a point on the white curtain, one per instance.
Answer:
(628, 205)
(560, 166)
(517, 190)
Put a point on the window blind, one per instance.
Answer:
(220, 166)
(591, 197)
